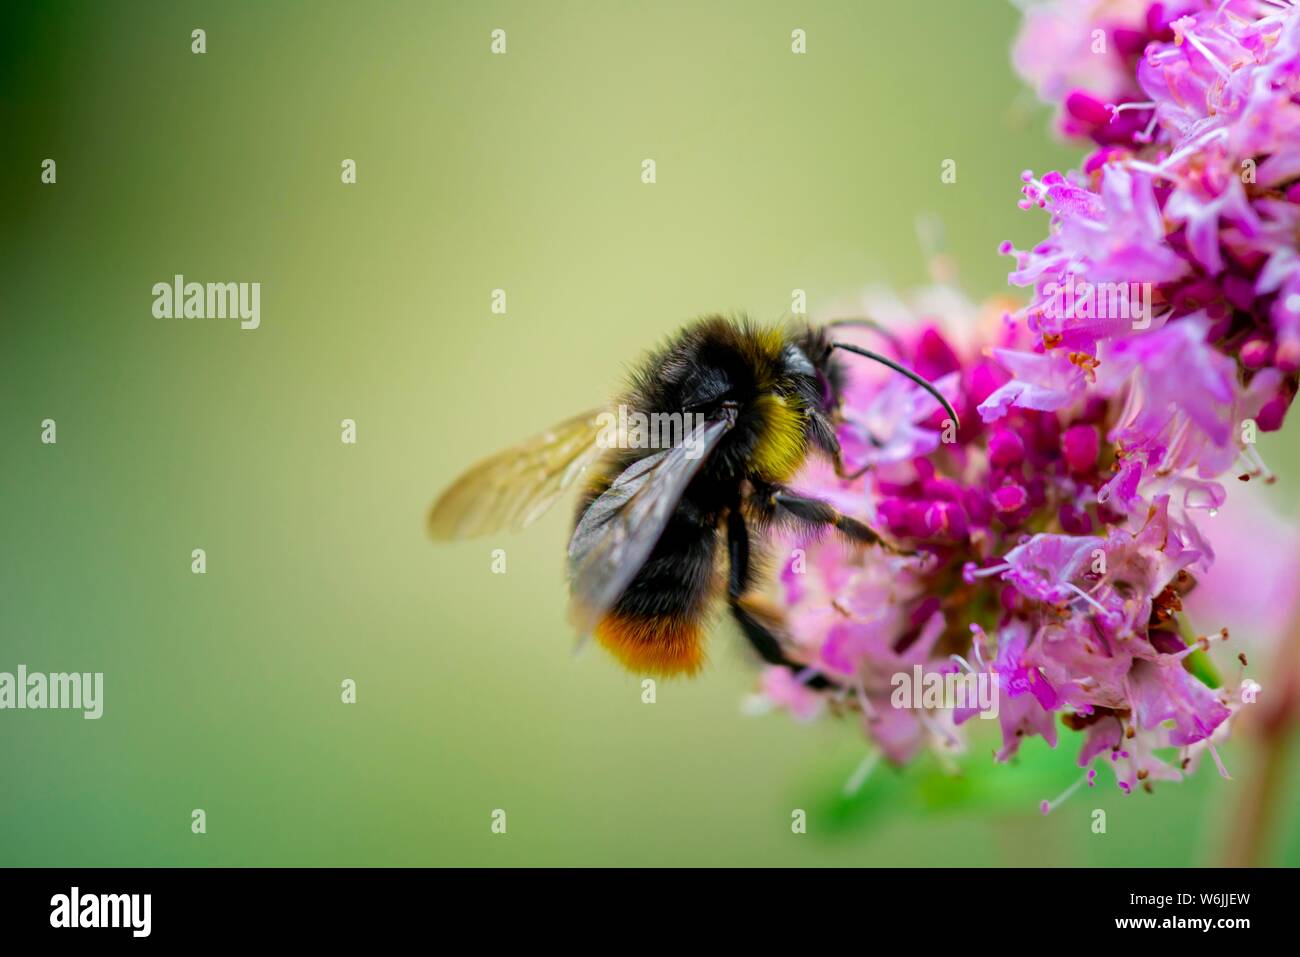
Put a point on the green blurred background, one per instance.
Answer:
(475, 172)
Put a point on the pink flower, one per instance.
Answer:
(782, 688)
(1044, 568)
(1052, 545)
(1041, 382)
(1080, 55)
(1162, 691)
(1042, 556)
(1203, 212)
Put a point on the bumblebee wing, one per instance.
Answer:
(513, 488)
(618, 531)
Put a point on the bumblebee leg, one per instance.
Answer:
(821, 433)
(760, 634)
(737, 555)
(816, 513)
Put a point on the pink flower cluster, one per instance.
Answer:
(1050, 541)
(1198, 206)
(1018, 560)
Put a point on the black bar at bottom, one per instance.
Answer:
(376, 905)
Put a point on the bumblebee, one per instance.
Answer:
(661, 534)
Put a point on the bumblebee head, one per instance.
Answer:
(813, 344)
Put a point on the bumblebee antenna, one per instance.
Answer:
(924, 383)
(863, 322)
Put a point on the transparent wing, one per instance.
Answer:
(618, 531)
(513, 488)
